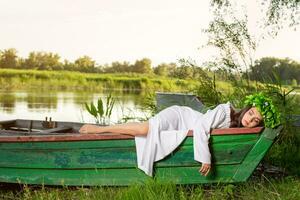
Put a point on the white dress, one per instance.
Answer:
(169, 128)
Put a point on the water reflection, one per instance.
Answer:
(41, 101)
(7, 102)
(66, 106)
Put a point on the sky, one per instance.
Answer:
(122, 30)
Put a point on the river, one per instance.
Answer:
(66, 106)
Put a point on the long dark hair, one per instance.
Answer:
(236, 116)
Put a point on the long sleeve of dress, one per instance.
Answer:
(216, 118)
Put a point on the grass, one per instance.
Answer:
(13, 79)
(263, 188)
(66, 80)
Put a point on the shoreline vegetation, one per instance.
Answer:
(66, 80)
(12, 79)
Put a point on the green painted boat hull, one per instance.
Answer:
(113, 162)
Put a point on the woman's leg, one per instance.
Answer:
(132, 128)
(168, 120)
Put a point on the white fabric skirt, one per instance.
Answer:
(167, 130)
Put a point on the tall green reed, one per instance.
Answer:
(101, 112)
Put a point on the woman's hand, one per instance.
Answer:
(88, 128)
(205, 169)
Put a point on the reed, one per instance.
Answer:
(66, 80)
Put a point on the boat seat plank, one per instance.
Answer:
(37, 133)
(7, 122)
(12, 133)
(56, 130)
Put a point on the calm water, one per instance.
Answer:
(65, 106)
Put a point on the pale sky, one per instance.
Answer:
(120, 30)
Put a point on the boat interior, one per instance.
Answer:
(37, 127)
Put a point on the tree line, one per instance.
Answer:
(264, 70)
(270, 69)
(52, 61)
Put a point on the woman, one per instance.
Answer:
(165, 131)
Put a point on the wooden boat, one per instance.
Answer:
(54, 153)
(61, 156)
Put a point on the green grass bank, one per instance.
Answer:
(66, 80)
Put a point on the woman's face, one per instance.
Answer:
(251, 118)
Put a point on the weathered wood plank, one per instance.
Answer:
(233, 131)
(14, 133)
(256, 154)
(116, 157)
(67, 145)
(63, 137)
(57, 130)
(109, 136)
(7, 122)
(114, 143)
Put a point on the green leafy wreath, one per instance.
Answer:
(265, 106)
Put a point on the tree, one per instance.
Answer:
(276, 13)
(266, 69)
(228, 32)
(85, 64)
(233, 42)
(183, 72)
(43, 61)
(143, 66)
(162, 69)
(68, 65)
(9, 58)
(118, 67)
(31, 62)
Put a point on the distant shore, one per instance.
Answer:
(66, 80)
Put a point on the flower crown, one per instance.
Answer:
(266, 108)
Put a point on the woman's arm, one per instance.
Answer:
(132, 128)
(210, 120)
